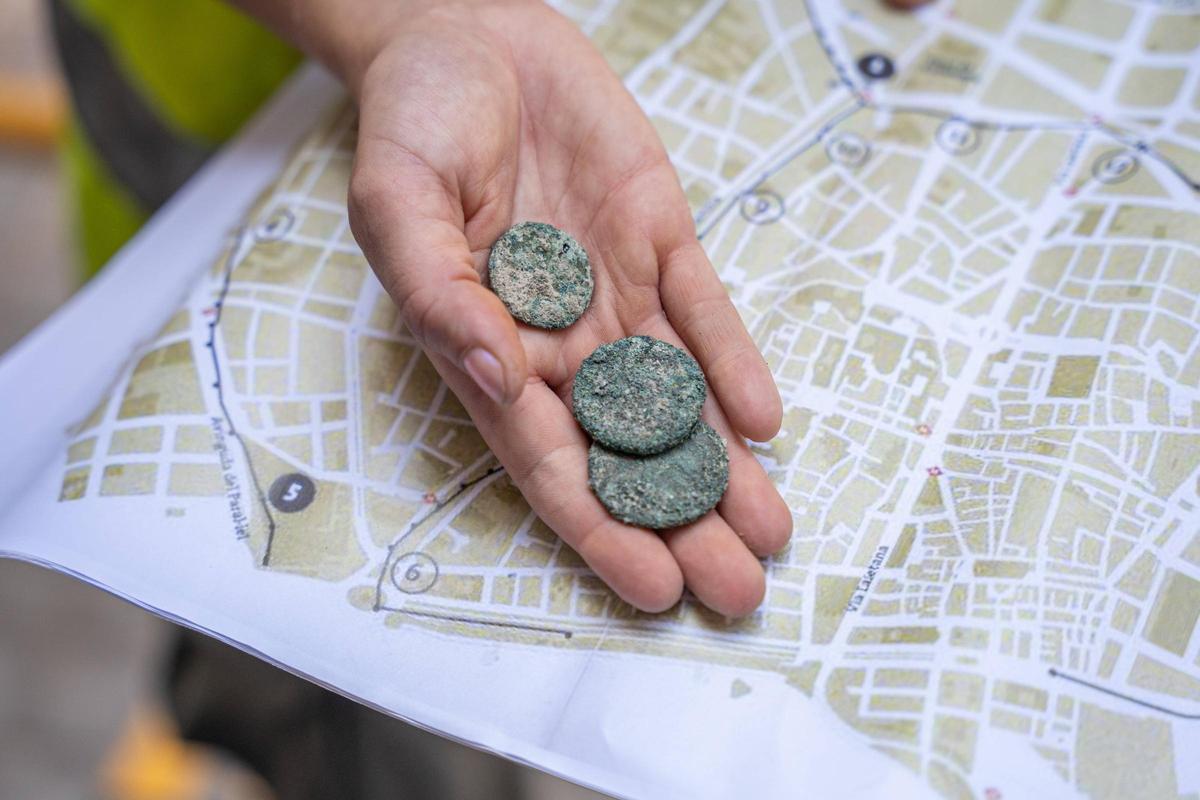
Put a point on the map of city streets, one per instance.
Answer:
(967, 241)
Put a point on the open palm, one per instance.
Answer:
(476, 117)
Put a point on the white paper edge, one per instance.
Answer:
(186, 233)
(98, 328)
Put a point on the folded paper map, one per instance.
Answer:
(968, 242)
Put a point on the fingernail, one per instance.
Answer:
(486, 371)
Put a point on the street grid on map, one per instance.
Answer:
(976, 281)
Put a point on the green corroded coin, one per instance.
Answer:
(638, 395)
(542, 274)
(664, 490)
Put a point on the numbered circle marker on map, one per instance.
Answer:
(276, 226)
(414, 573)
(292, 493)
(957, 137)
(876, 67)
(1115, 166)
(847, 149)
(761, 207)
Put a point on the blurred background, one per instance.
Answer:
(81, 673)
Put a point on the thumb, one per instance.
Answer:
(411, 230)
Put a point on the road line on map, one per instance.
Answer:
(1054, 673)
(241, 237)
(417, 523)
(566, 634)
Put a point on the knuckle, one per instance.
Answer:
(539, 472)
(689, 269)
(709, 317)
(418, 309)
(739, 359)
(368, 192)
(440, 312)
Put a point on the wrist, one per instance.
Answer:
(345, 36)
(350, 39)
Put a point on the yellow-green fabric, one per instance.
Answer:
(204, 65)
(105, 215)
(201, 65)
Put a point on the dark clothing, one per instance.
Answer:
(312, 744)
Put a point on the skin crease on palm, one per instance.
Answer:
(478, 115)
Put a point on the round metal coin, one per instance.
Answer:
(638, 395)
(542, 274)
(664, 490)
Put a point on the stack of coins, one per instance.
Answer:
(652, 462)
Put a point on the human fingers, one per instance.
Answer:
(700, 310)
(545, 452)
(411, 227)
(752, 506)
(716, 565)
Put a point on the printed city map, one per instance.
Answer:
(968, 242)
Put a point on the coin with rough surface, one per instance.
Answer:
(638, 395)
(664, 490)
(541, 274)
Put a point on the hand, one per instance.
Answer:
(475, 116)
